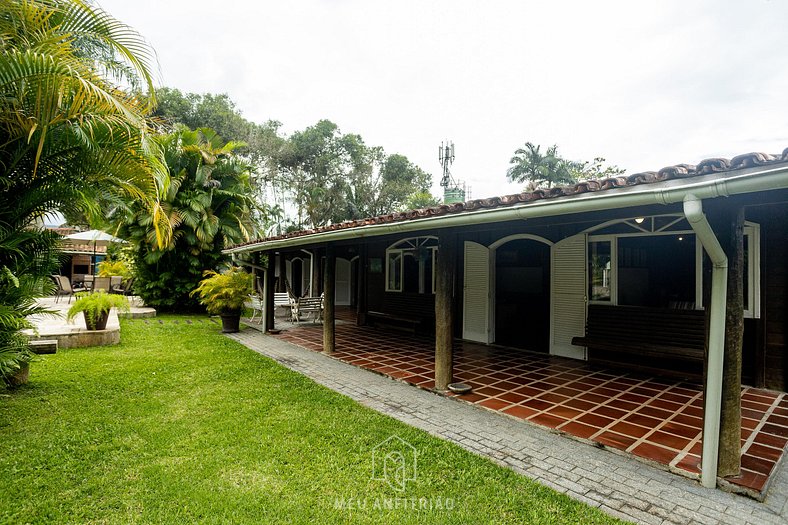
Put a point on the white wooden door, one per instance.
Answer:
(476, 294)
(342, 282)
(568, 304)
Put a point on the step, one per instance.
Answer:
(44, 346)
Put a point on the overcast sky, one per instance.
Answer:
(644, 84)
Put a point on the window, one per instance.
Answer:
(410, 265)
(657, 271)
(600, 271)
(752, 270)
(656, 262)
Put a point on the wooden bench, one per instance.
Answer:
(309, 305)
(658, 341)
(255, 304)
(283, 300)
(396, 321)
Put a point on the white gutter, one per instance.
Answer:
(693, 210)
(670, 192)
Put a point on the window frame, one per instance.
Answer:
(751, 230)
(612, 239)
(410, 244)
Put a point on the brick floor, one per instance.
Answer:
(655, 419)
(617, 483)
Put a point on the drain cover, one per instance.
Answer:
(460, 388)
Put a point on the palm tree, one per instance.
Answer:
(68, 133)
(529, 165)
(209, 203)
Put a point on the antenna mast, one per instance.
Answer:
(452, 190)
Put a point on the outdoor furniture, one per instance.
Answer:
(310, 306)
(256, 304)
(64, 287)
(87, 282)
(123, 288)
(286, 301)
(101, 283)
(660, 341)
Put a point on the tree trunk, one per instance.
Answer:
(444, 310)
(729, 227)
(328, 301)
(730, 425)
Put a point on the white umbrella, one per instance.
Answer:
(97, 237)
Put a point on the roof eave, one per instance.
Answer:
(707, 186)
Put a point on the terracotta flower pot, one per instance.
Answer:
(100, 324)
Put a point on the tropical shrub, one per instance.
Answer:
(223, 293)
(209, 202)
(109, 268)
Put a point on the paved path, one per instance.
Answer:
(619, 485)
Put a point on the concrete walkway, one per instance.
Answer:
(619, 485)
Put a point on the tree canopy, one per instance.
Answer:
(547, 169)
(209, 204)
(68, 135)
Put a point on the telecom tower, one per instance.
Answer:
(453, 191)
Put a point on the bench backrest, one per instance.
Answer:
(282, 299)
(657, 326)
(310, 303)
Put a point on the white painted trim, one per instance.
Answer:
(415, 244)
(518, 236)
(613, 267)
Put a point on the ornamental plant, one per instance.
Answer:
(224, 293)
(96, 305)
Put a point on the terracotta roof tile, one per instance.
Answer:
(679, 171)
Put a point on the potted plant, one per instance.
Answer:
(95, 308)
(15, 357)
(224, 294)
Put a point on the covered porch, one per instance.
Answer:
(655, 419)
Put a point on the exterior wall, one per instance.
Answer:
(410, 305)
(765, 360)
(770, 337)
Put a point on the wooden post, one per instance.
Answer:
(731, 237)
(268, 295)
(444, 311)
(328, 301)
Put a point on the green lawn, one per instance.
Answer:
(179, 424)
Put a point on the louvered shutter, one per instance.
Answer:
(476, 296)
(568, 305)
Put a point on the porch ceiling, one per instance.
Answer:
(654, 419)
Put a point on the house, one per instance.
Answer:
(635, 271)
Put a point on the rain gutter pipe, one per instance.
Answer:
(667, 193)
(693, 210)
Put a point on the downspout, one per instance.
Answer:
(693, 210)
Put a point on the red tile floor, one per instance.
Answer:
(658, 420)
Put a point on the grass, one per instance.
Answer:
(179, 424)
